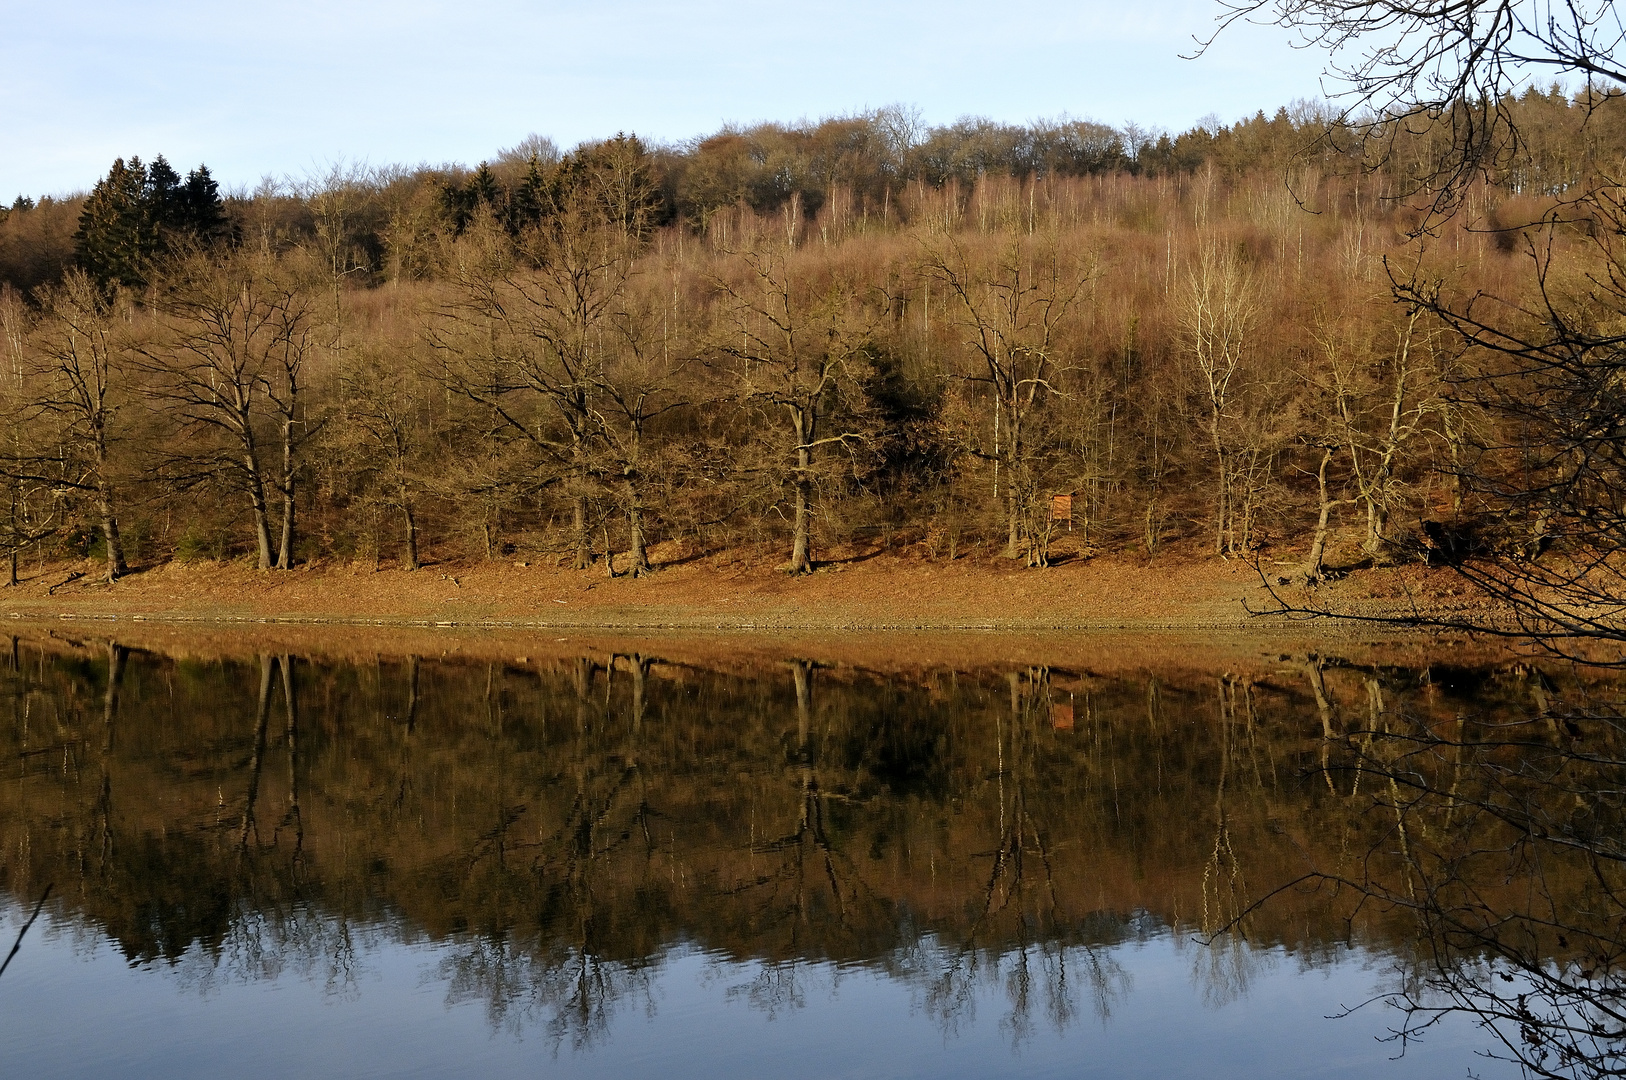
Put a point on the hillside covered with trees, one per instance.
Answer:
(793, 337)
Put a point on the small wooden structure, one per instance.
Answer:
(1061, 509)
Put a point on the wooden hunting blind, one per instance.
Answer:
(1061, 509)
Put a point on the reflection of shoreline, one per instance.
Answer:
(952, 797)
(1101, 651)
(570, 817)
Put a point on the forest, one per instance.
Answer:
(798, 338)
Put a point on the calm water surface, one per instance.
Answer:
(621, 865)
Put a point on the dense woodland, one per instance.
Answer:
(801, 338)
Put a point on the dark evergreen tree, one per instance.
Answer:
(528, 200)
(115, 238)
(203, 211)
(464, 203)
(162, 197)
(137, 213)
(614, 180)
(483, 186)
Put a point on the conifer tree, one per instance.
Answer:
(137, 212)
(203, 211)
(161, 198)
(114, 238)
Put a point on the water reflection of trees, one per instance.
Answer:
(557, 827)
(1020, 936)
(569, 993)
(1484, 828)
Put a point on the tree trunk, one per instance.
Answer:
(116, 567)
(1243, 492)
(1318, 686)
(578, 523)
(1013, 524)
(285, 546)
(1377, 527)
(801, 559)
(581, 470)
(412, 693)
(116, 656)
(1221, 482)
(1453, 440)
(635, 525)
(802, 674)
(584, 686)
(1013, 494)
(1318, 547)
(285, 550)
(411, 522)
(1039, 543)
(262, 524)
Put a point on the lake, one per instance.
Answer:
(731, 857)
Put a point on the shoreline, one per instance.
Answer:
(735, 592)
(1329, 625)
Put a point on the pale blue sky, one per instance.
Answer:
(288, 88)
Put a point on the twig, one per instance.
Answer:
(19, 942)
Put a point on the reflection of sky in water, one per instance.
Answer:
(361, 1003)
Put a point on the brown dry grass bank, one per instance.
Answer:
(877, 591)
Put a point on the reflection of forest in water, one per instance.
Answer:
(559, 825)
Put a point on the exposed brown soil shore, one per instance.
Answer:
(733, 590)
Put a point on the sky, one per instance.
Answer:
(292, 89)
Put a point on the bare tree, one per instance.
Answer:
(1379, 398)
(528, 327)
(1542, 366)
(1404, 66)
(1220, 313)
(230, 359)
(384, 411)
(641, 379)
(31, 510)
(1011, 307)
(797, 343)
(78, 381)
(1551, 373)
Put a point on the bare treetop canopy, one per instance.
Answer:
(1395, 56)
(1451, 64)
